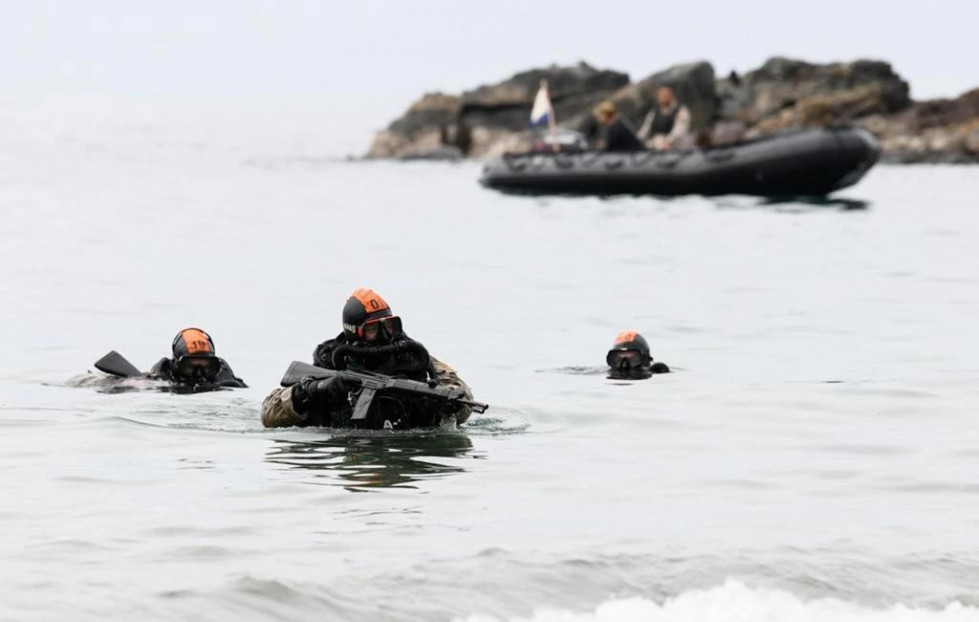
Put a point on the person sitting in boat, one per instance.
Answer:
(629, 358)
(618, 135)
(668, 123)
(194, 362)
(372, 340)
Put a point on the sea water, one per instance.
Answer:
(814, 455)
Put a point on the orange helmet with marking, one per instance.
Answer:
(193, 355)
(192, 341)
(366, 315)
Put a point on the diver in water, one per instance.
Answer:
(372, 340)
(194, 368)
(194, 362)
(629, 358)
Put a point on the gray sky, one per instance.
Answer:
(379, 56)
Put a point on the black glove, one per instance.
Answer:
(309, 392)
(660, 368)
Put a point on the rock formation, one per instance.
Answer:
(782, 94)
(939, 130)
(491, 119)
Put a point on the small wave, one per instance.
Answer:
(504, 421)
(735, 602)
(213, 425)
(576, 370)
(105, 383)
(237, 421)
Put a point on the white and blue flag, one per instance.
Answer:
(542, 113)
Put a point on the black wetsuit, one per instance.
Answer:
(387, 410)
(402, 364)
(163, 370)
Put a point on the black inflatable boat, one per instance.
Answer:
(797, 163)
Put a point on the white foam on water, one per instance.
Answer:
(735, 602)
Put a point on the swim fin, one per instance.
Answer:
(116, 364)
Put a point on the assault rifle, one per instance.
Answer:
(372, 384)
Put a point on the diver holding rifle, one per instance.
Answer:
(366, 389)
(395, 383)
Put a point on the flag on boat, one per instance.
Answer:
(542, 113)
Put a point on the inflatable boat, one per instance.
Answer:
(796, 163)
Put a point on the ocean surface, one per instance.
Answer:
(815, 455)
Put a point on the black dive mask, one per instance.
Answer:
(626, 360)
(197, 368)
(380, 331)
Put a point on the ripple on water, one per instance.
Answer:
(457, 587)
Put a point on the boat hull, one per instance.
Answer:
(804, 163)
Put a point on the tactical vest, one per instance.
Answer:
(663, 121)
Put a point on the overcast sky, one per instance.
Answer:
(382, 55)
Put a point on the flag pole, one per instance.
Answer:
(551, 120)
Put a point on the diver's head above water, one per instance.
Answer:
(194, 358)
(629, 351)
(629, 357)
(368, 319)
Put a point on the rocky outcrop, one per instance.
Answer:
(492, 118)
(421, 130)
(786, 94)
(495, 117)
(808, 92)
(782, 94)
(940, 130)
